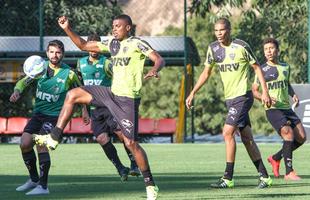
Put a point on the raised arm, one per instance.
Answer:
(76, 39)
(159, 63)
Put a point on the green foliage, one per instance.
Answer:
(86, 16)
(287, 22)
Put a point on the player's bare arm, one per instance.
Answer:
(201, 80)
(159, 63)
(292, 93)
(82, 44)
(265, 98)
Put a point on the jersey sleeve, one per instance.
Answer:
(108, 68)
(104, 44)
(144, 47)
(23, 83)
(249, 55)
(74, 81)
(209, 58)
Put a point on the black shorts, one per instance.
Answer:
(124, 110)
(238, 110)
(279, 118)
(41, 124)
(102, 121)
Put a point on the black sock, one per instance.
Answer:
(56, 133)
(296, 145)
(279, 154)
(30, 160)
(133, 163)
(229, 171)
(45, 164)
(261, 169)
(111, 153)
(148, 178)
(288, 155)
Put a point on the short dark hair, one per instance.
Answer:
(93, 37)
(271, 40)
(56, 43)
(125, 18)
(224, 21)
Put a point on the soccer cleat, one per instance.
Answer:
(45, 140)
(152, 192)
(27, 186)
(134, 171)
(123, 172)
(264, 182)
(275, 164)
(39, 190)
(292, 176)
(223, 183)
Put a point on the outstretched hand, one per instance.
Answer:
(63, 22)
(150, 74)
(15, 96)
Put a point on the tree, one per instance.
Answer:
(21, 18)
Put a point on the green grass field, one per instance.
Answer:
(182, 171)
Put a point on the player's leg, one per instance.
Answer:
(48, 123)
(109, 149)
(30, 160)
(255, 155)
(230, 143)
(45, 164)
(125, 111)
(73, 97)
(28, 154)
(134, 169)
(287, 149)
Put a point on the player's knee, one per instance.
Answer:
(130, 144)
(25, 146)
(71, 96)
(103, 138)
(287, 133)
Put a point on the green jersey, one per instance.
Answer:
(128, 57)
(51, 91)
(96, 73)
(233, 62)
(277, 80)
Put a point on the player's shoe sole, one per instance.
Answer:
(45, 140)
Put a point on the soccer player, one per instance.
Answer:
(280, 115)
(123, 98)
(96, 69)
(234, 59)
(51, 91)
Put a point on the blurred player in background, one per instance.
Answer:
(280, 115)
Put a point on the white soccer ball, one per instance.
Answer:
(34, 66)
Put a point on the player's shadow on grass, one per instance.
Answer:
(85, 186)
